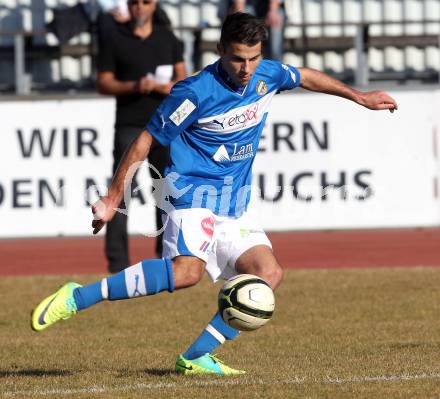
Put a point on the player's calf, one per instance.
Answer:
(188, 271)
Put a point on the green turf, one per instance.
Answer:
(338, 334)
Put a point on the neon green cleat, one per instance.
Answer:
(58, 306)
(206, 364)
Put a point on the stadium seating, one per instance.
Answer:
(402, 37)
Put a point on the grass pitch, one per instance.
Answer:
(372, 333)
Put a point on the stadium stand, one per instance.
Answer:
(358, 41)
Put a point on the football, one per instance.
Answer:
(246, 302)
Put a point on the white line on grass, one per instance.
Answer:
(245, 381)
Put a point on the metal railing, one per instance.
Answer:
(24, 50)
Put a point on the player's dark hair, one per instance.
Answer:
(243, 28)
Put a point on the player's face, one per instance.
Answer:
(240, 61)
(141, 10)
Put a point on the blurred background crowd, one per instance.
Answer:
(50, 46)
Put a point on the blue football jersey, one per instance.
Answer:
(213, 132)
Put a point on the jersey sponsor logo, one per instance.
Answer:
(208, 226)
(237, 118)
(181, 113)
(242, 152)
(247, 232)
(221, 155)
(261, 88)
(239, 153)
(242, 119)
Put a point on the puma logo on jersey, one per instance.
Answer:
(215, 121)
(163, 121)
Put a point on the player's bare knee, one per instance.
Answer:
(260, 261)
(272, 275)
(277, 276)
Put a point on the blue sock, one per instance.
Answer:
(145, 278)
(88, 295)
(215, 333)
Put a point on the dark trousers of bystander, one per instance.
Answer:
(116, 237)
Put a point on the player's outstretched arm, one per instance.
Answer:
(104, 209)
(318, 81)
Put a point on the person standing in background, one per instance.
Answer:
(138, 62)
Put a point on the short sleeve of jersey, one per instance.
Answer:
(290, 77)
(178, 111)
(106, 60)
(177, 50)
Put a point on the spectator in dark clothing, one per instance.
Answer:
(138, 62)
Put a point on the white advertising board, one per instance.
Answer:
(387, 163)
(52, 151)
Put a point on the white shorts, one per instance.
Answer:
(217, 240)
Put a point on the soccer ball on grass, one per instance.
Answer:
(246, 302)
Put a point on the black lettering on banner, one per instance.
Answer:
(44, 144)
(27, 149)
(56, 195)
(282, 132)
(368, 192)
(295, 190)
(65, 142)
(325, 184)
(2, 194)
(309, 132)
(86, 137)
(262, 186)
(261, 147)
(329, 189)
(92, 187)
(18, 194)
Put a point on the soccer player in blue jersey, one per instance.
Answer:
(213, 123)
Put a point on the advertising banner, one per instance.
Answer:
(323, 163)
